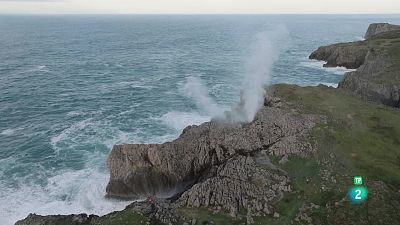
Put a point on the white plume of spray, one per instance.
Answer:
(262, 54)
(197, 90)
(257, 75)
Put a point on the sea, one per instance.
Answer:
(72, 86)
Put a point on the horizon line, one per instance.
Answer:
(196, 13)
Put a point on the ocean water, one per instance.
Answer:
(73, 86)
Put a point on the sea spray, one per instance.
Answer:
(257, 74)
(263, 51)
(197, 90)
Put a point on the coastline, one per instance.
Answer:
(299, 129)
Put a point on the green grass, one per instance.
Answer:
(125, 217)
(203, 216)
(364, 136)
(364, 139)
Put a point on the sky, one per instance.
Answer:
(198, 6)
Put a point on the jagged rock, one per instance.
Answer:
(240, 183)
(159, 212)
(377, 28)
(165, 169)
(349, 55)
(272, 101)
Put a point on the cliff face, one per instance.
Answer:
(378, 61)
(377, 28)
(215, 164)
(349, 55)
(376, 80)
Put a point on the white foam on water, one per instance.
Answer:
(68, 131)
(319, 65)
(9, 132)
(82, 113)
(80, 191)
(71, 192)
(42, 67)
(360, 38)
(180, 120)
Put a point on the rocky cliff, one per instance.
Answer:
(213, 164)
(349, 55)
(377, 60)
(377, 28)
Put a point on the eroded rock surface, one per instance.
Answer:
(138, 171)
(238, 183)
(216, 165)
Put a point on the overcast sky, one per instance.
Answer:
(200, 6)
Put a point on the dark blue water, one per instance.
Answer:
(73, 86)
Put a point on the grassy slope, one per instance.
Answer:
(365, 136)
(126, 217)
(358, 138)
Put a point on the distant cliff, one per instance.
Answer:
(377, 28)
(377, 60)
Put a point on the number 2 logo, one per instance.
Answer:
(358, 194)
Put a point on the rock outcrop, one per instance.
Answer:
(240, 183)
(214, 164)
(349, 55)
(377, 77)
(377, 28)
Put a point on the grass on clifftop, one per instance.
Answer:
(364, 137)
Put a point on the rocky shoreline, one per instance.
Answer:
(376, 60)
(291, 165)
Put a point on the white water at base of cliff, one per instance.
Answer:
(71, 192)
(319, 65)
